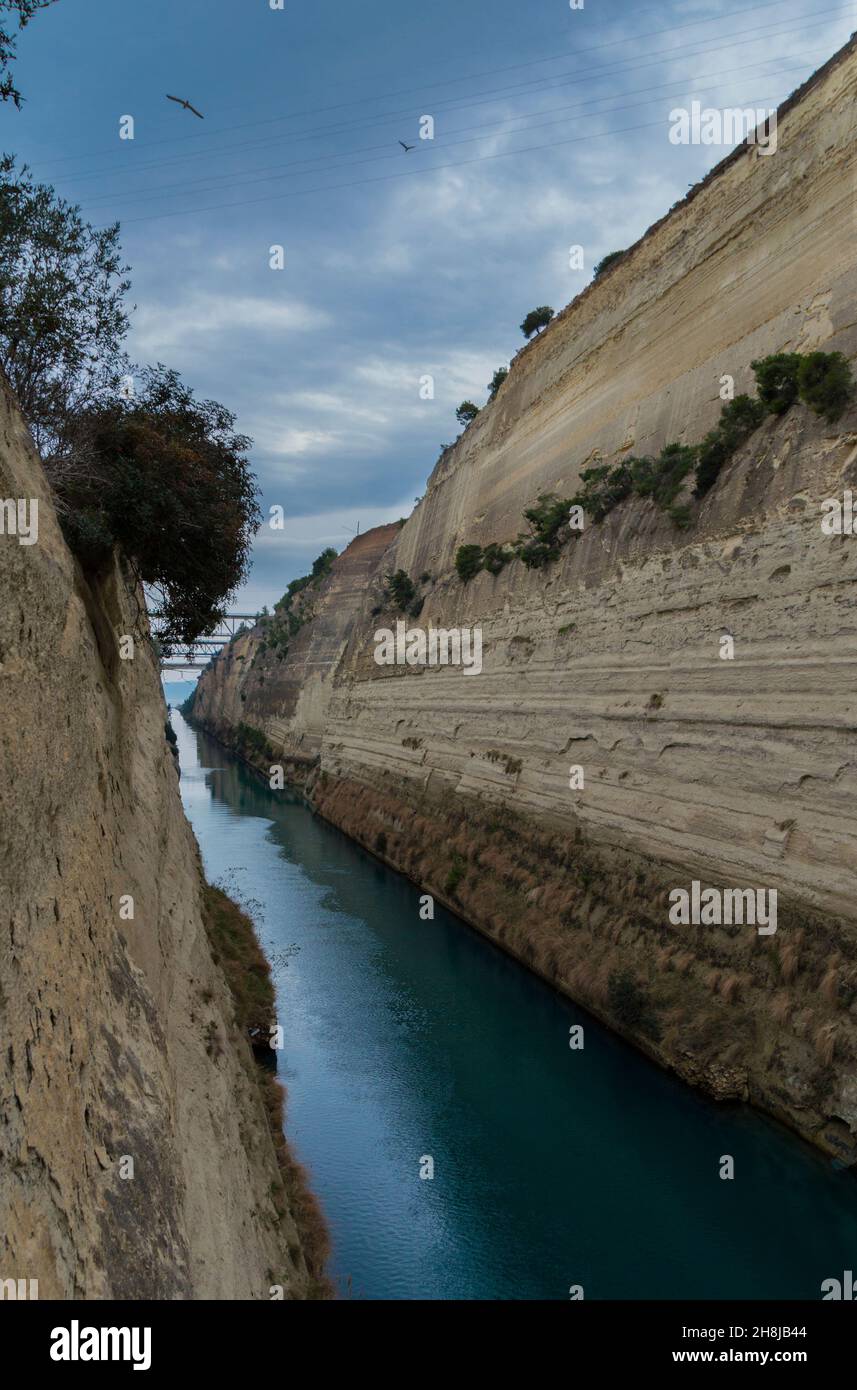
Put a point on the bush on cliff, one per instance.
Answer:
(612, 258)
(468, 561)
(776, 380)
(825, 383)
(497, 381)
(400, 589)
(738, 420)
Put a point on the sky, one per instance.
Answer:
(551, 130)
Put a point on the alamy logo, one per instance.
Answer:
(13, 519)
(17, 1289)
(76, 1343)
(840, 1289)
(715, 907)
(698, 125)
(838, 517)
(437, 646)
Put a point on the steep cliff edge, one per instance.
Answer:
(136, 1156)
(739, 773)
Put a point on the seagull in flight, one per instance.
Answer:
(406, 147)
(187, 106)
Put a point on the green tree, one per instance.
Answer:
(24, 11)
(777, 380)
(400, 588)
(164, 477)
(468, 561)
(466, 413)
(323, 565)
(497, 381)
(825, 384)
(62, 320)
(536, 320)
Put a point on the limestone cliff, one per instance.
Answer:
(737, 773)
(120, 1045)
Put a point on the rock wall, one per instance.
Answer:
(737, 773)
(118, 1036)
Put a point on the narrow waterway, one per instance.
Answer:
(552, 1167)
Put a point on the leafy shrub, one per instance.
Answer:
(416, 607)
(825, 383)
(466, 413)
(669, 471)
(400, 589)
(711, 456)
(468, 561)
(738, 420)
(494, 557)
(497, 381)
(535, 554)
(680, 515)
(740, 417)
(605, 263)
(322, 565)
(547, 518)
(603, 488)
(777, 380)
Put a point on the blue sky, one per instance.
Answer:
(396, 265)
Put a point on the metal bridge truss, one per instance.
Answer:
(195, 656)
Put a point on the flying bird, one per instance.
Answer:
(406, 147)
(187, 106)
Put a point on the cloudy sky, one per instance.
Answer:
(551, 129)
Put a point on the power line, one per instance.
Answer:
(275, 172)
(580, 53)
(387, 178)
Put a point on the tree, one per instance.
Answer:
(497, 381)
(24, 9)
(62, 319)
(536, 319)
(466, 413)
(605, 263)
(164, 477)
(323, 564)
(468, 561)
(777, 380)
(825, 383)
(400, 588)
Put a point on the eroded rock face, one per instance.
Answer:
(106, 1024)
(736, 772)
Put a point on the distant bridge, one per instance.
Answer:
(195, 656)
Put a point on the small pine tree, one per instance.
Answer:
(466, 413)
(536, 320)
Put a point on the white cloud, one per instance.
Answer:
(193, 321)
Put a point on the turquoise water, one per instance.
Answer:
(552, 1167)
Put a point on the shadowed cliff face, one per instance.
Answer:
(737, 772)
(136, 1159)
